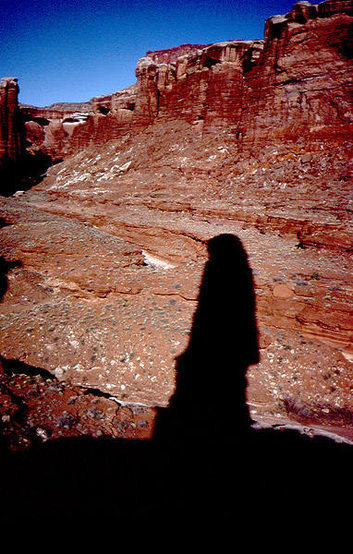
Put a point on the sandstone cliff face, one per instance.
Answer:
(104, 258)
(201, 85)
(303, 78)
(9, 138)
(33, 138)
(296, 81)
(60, 130)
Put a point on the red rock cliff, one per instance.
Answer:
(9, 137)
(302, 82)
(296, 81)
(103, 260)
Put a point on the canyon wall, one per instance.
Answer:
(9, 136)
(297, 81)
(61, 129)
(103, 259)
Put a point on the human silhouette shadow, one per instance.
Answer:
(188, 465)
(208, 416)
(209, 400)
(223, 465)
(205, 463)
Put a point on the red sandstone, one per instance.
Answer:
(252, 138)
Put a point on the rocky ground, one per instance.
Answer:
(102, 264)
(108, 254)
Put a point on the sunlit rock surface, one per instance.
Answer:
(103, 259)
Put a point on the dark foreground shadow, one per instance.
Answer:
(29, 166)
(205, 464)
(23, 174)
(5, 267)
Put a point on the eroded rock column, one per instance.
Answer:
(9, 135)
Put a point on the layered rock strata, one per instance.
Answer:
(10, 146)
(103, 260)
(60, 129)
(297, 80)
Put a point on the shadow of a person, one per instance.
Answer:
(222, 468)
(208, 413)
(192, 438)
(204, 464)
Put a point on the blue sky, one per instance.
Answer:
(66, 50)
